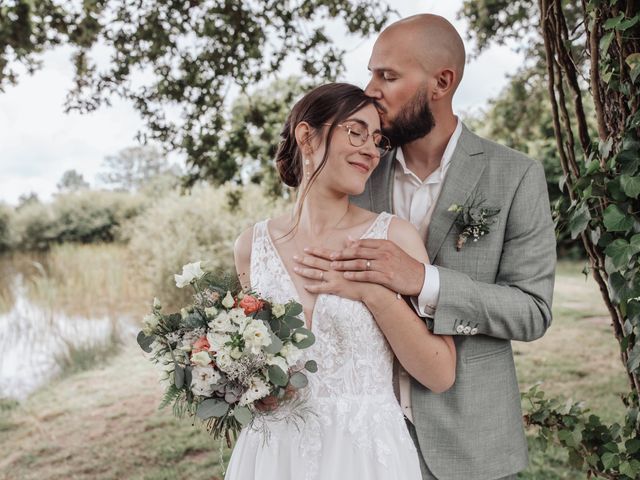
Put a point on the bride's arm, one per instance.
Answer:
(429, 358)
(242, 257)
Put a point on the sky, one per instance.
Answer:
(39, 142)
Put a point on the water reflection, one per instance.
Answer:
(35, 339)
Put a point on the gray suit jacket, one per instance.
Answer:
(493, 291)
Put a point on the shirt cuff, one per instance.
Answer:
(427, 302)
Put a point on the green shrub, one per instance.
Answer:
(5, 227)
(200, 226)
(85, 217)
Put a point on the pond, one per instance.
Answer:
(39, 334)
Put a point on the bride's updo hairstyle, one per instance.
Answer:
(331, 103)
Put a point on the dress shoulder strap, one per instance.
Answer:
(380, 226)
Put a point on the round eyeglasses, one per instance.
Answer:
(358, 135)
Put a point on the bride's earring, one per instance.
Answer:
(307, 169)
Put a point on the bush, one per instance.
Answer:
(85, 217)
(5, 227)
(200, 226)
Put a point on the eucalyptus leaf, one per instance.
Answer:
(277, 376)
(276, 344)
(298, 380)
(311, 366)
(293, 309)
(145, 341)
(178, 376)
(212, 407)
(633, 61)
(293, 322)
(308, 340)
(243, 415)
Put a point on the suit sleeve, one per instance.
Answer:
(518, 305)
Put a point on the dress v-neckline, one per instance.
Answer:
(294, 290)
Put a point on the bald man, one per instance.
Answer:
(486, 291)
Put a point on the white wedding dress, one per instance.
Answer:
(357, 430)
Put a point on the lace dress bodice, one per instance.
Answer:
(351, 394)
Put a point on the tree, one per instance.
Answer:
(595, 56)
(178, 60)
(72, 181)
(133, 167)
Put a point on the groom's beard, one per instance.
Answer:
(415, 120)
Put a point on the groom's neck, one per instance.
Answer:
(423, 156)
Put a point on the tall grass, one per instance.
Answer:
(201, 226)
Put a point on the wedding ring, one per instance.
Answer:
(368, 264)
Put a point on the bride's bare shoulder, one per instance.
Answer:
(362, 215)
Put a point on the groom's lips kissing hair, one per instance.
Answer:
(413, 121)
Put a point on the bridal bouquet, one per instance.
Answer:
(226, 352)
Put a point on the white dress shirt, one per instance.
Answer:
(414, 200)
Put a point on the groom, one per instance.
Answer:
(491, 289)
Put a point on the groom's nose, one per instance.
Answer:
(372, 90)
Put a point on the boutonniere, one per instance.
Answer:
(473, 220)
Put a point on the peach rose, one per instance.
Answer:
(202, 344)
(250, 304)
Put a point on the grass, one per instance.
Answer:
(103, 422)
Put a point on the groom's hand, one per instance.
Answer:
(376, 261)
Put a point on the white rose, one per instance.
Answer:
(238, 317)
(217, 340)
(291, 353)
(211, 311)
(190, 272)
(278, 310)
(201, 358)
(228, 301)
(203, 379)
(256, 336)
(221, 323)
(224, 360)
(258, 389)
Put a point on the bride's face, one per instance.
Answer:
(352, 153)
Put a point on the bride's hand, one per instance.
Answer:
(331, 281)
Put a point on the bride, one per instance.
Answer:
(331, 143)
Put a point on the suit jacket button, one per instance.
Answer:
(474, 331)
(467, 330)
(459, 329)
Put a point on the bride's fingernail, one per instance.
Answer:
(295, 269)
(306, 249)
(296, 257)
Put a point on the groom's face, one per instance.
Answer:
(401, 85)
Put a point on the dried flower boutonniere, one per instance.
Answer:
(473, 220)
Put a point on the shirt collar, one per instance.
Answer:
(446, 157)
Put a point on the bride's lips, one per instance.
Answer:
(362, 167)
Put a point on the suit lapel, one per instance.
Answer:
(464, 172)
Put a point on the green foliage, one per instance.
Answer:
(84, 216)
(610, 451)
(251, 137)
(179, 229)
(192, 54)
(5, 227)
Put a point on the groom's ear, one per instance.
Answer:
(445, 81)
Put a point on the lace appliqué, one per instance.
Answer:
(352, 389)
